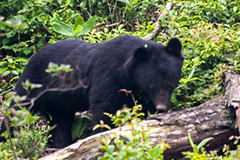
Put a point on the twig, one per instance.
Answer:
(32, 100)
(99, 24)
(154, 32)
(109, 8)
(9, 134)
(6, 91)
(50, 150)
(109, 25)
(114, 8)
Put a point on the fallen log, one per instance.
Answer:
(210, 119)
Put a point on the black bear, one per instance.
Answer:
(150, 70)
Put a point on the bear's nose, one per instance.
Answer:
(161, 104)
(161, 107)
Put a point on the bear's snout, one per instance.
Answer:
(161, 107)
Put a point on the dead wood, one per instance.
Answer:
(231, 82)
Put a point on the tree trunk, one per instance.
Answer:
(210, 119)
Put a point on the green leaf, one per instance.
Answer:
(23, 60)
(59, 2)
(185, 81)
(106, 126)
(191, 74)
(11, 65)
(10, 60)
(62, 28)
(10, 34)
(195, 149)
(134, 1)
(33, 86)
(5, 41)
(3, 69)
(127, 2)
(5, 134)
(96, 127)
(224, 2)
(14, 78)
(203, 142)
(6, 73)
(27, 51)
(79, 21)
(15, 72)
(4, 63)
(235, 9)
(15, 22)
(156, 149)
(88, 26)
(22, 26)
(78, 29)
(67, 2)
(233, 152)
(79, 125)
(111, 149)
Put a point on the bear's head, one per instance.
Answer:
(156, 69)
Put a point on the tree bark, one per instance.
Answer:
(210, 119)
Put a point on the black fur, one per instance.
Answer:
(151, 70)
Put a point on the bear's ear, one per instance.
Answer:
(174, 47)
(142, 54)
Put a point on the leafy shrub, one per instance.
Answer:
(11, 68)
(135, 145)
(210, 46)
(200, 153)
(29, 141)
(29, 138)
(33, 24)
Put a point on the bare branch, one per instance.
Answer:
(154, 32)
(32, 100)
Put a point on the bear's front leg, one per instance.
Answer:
(105, 99)
(61, 134)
